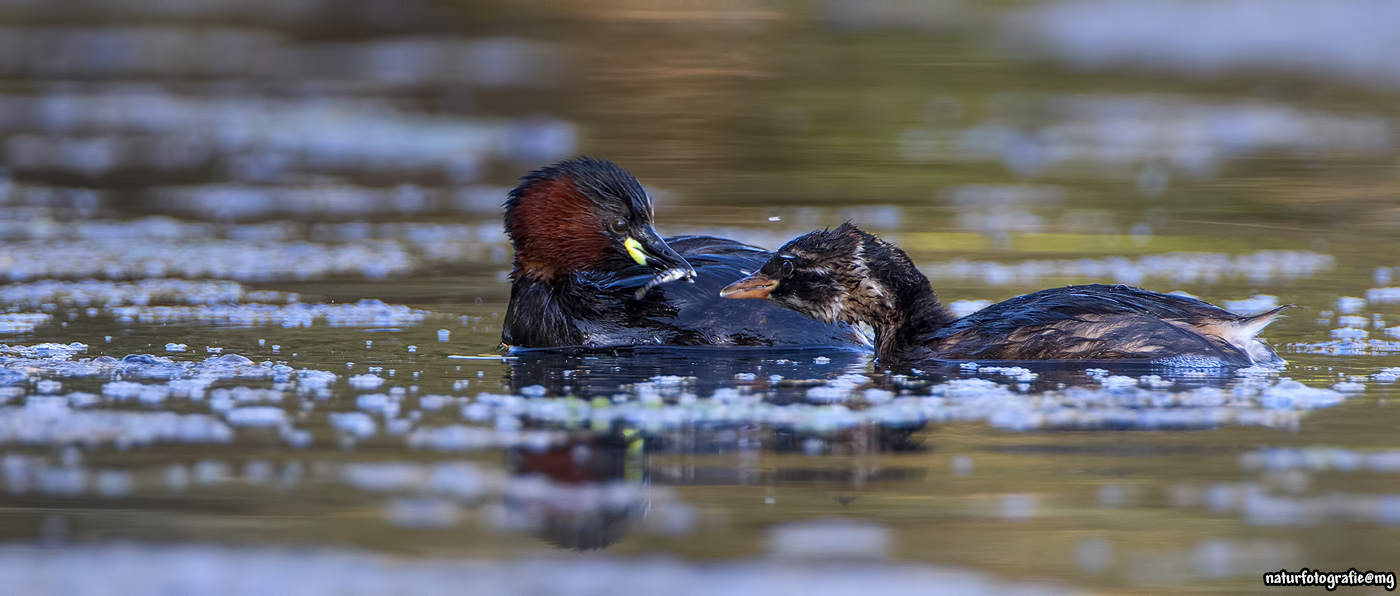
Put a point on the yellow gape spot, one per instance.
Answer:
(634, 248)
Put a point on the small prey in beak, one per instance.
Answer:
(754, 286)
(651, 251)
(668, 275)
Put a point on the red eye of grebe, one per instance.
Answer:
(618, 226)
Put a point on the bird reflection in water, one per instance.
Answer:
(593, 489)
(785, 375)
(590, 373)
(589, 492)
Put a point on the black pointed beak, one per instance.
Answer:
(649, 250)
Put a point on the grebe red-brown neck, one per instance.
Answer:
(583, 214)
(848, 275)
(591, 272)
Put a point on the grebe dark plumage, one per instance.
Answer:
(585, 249)
(851, 276)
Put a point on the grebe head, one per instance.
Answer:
(584, 214)
(826, 275)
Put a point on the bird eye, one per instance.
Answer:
(787, 268)
(618, 226)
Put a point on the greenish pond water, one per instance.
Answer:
(252, 277)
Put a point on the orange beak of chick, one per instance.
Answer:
(754, 286)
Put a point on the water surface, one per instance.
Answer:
(253, 277)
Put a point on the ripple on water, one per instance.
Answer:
(205, 569)
(1265, 266)
(51, 425)
(1117, 402)
(1335, 39)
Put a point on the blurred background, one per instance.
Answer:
(1098, 118)
(316, 184)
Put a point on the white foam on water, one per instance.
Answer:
(1350, 304)
(122, 428)
(355, 424)
(962, 308)
(256, 138)
(1344, 40)
(830, 538)
(1350, 346)
(366, 313)
(1265, 266)
(1317, 459)
(1118, 402)
(16, 323)
(199, 569)
(366, 381)
(1253, 305)
(459, 437)
(1256, 506)
(1383, 295)
(256, 416)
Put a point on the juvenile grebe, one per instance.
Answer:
(848, 275)
(590, 271)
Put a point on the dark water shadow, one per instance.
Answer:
(588, 373)
(592, 373)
